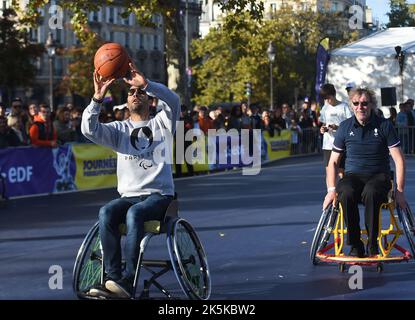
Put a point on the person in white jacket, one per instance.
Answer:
(332, 114)
(145, 180)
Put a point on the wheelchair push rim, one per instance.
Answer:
(322, 234)
(88, 264)
(189, 260)
(408, 226)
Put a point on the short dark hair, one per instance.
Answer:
(327, 90)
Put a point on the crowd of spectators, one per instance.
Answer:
(404, 120)
(302, 123)
(35, 125)
(252, 117)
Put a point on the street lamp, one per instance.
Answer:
(186, 49)
(51, 48)
(271, 57)
(400, 56)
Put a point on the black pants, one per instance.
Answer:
(372, 191)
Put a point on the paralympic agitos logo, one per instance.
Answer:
(141, 138)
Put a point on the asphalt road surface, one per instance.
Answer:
(256, 230)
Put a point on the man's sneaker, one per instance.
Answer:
(121, 288)
(100, 291)
(358, 250)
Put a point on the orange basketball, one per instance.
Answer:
(111, 61)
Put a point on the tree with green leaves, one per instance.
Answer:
(80, 68)
(16, 54)
(143, 10)
(400, 15)
(236, 53)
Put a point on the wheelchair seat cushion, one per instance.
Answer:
(151, 226)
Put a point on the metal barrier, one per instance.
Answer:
(407, 137)
(310, 141)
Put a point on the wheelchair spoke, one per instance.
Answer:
(187, 250)
(91, 272)
(191, 265)
(405, 216)
(323, 232)
(411, 220)
(88, 265)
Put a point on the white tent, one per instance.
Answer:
(371, 62)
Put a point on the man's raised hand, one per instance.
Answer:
(137, 78)
(101, 86)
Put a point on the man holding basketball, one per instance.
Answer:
(145, 182)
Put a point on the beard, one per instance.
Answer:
(363, 116)
(138, 104)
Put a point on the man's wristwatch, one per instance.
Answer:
(100, 101)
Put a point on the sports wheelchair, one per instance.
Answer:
(332, 225)
(187, 259)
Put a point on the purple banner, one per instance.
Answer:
(37, 170)
(322, 60)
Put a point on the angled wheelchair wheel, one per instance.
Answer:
(411, 220)
(407, 221)
(323, 230)
(88, 264)
(189, 260)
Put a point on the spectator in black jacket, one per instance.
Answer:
(279, 122)
(63, 128)
(8, 137)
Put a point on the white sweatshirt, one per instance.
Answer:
(139, 144)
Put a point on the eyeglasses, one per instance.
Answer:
(137, 92)
(363, 103)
